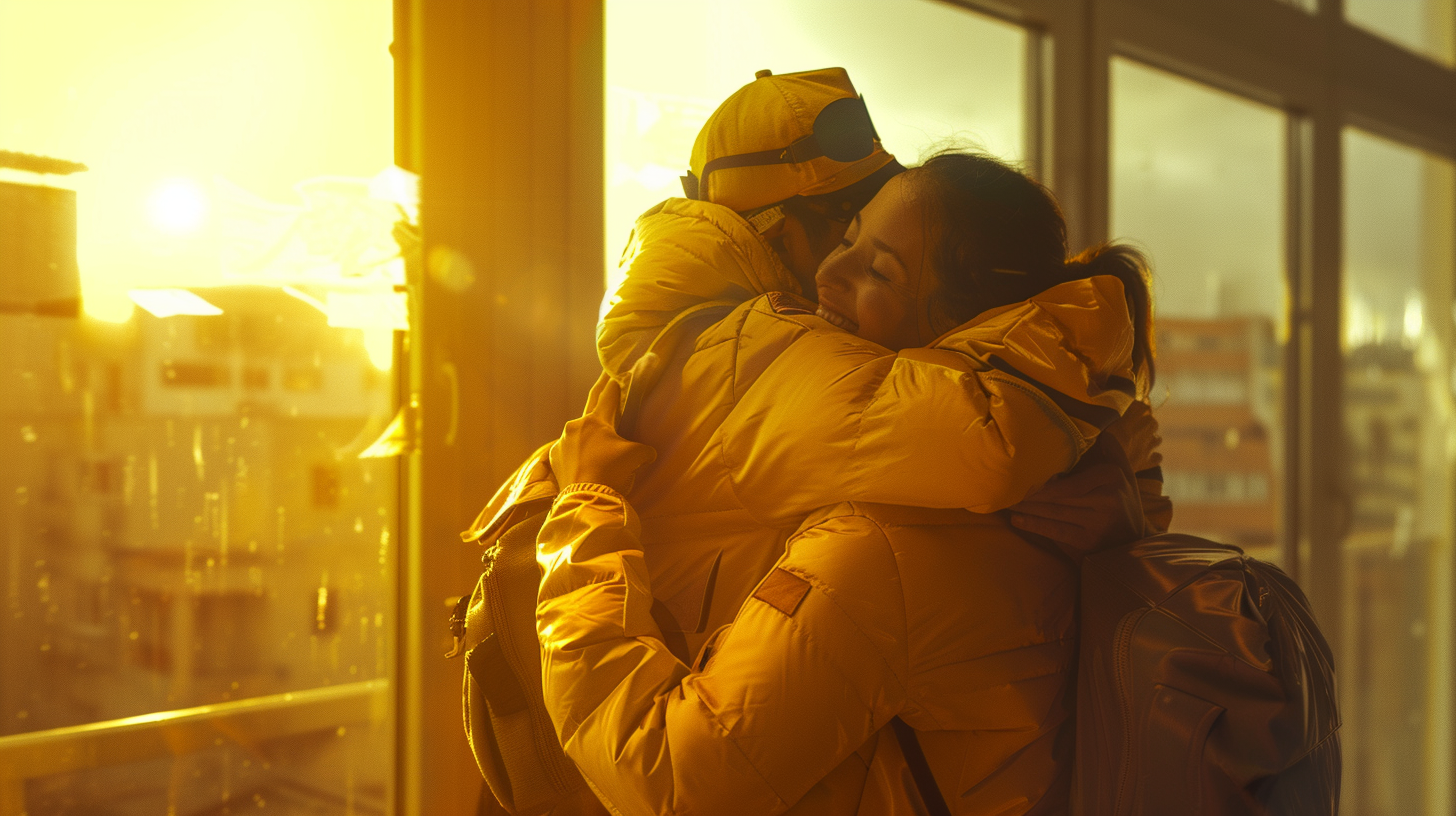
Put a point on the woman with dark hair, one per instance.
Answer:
(981, 236)
(943, 621)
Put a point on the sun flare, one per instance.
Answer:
(178, 206)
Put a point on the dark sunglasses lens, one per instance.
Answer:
(844, 131)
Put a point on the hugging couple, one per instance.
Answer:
(813, 546)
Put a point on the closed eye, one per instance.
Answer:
(877, 276)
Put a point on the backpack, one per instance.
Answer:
(1204, 686)
(506, 723)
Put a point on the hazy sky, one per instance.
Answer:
(262, 93)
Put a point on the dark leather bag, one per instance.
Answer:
(1204, 686)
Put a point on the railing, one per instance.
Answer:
(172, 733)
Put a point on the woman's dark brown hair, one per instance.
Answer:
(998, 237)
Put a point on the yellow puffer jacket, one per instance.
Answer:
(944, 618)
(763, 413)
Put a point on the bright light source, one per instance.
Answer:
(400, 186)
(108, 305)
(169, 302)
(306, 298)
(1414, 316)
(377, 314)
(379, 345)
(366, 310)
(178, 206)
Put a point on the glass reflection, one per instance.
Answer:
(1400, 227)
(1427, 27)
(1198, 177)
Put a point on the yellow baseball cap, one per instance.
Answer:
(782, 136)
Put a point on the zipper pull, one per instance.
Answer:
(457, 624)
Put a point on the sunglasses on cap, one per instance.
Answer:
(842, 132)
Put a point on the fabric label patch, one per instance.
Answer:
(782, 590)
(787, 304)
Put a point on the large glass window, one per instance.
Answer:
(932, 75)
(1400, 442)
(195, 362)
(1198, 180)
(1427, 27)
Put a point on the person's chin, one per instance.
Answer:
(829, 315)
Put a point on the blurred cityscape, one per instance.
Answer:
(1221, 429)
(188, 522)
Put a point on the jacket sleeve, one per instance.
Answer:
(683, 254)
(1137, 433)
(978, 420)
(795, 687)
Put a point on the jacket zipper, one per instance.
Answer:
(1122, 645)
(508, 648)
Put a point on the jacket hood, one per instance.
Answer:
(1072, 342)
(683, 254)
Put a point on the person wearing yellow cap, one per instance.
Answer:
(761, 411)
(794, 154)
(777, 172)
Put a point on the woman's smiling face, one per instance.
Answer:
(876, 282)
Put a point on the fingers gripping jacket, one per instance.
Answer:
(510, 732)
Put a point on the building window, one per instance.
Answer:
(194, 375)
(325, 486)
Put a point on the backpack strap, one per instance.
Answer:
(919, 769)
(643, 375)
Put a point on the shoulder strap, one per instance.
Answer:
(644, 375)
(919, 768)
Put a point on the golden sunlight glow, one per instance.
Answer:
(379, 345)
(110, 305)
(163, 98)
(172, 302)
(178, 206)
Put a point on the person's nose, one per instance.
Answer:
(830, 276)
